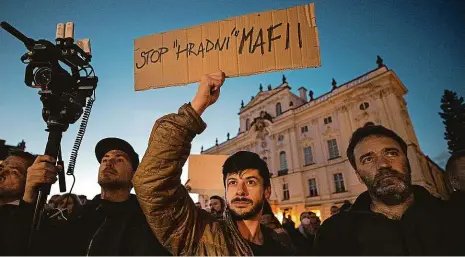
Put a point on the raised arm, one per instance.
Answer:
(170, 212)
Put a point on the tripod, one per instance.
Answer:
(52, 149)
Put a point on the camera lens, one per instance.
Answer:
(42, 76)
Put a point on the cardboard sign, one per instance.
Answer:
(205, 174)
(239, 46)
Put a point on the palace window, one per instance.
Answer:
(286, 195)
(308, 155)
(333, 149)
(364, 106)
(279, 110)
(282, 161)
(304, 129)
(339, 183)
(328, 120)
(312, 189)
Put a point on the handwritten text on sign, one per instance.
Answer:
(246, 39)
(254, 43)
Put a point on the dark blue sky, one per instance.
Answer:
(422, 41)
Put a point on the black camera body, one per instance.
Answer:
(62, 93)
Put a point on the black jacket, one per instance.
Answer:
(101, 228)
(428, 227)
(13, 230)
(457, 199)
(117, 229)
(303, 244)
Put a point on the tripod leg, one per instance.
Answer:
(61, 173)
(52, 148)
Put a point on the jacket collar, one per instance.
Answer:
(241, 244)
(126, 206)
(363, 202)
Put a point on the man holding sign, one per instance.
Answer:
(181, 227)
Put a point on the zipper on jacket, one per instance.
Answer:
(96, 232)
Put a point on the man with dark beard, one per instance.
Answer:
(13, 172)
(181, 227)
(217, 206)
(393, 217)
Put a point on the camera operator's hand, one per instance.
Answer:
(42, 171)
(208, 91)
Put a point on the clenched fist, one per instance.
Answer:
(208, 91)
(42, 171)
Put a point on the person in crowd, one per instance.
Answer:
(217, 206)
(290, 221)
(455, 172)
(302, 237)
(315, 224)
(13, 172)
(334, 210)
(270, 221)
(112, 224)
(83, 199)
(198, 205)
(68, 203)
(268, 218)
(345, 206)
(288, 224)
(393, 217)
(52, 201)
(305, 227)
(181, 227)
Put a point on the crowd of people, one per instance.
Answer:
(393, 217)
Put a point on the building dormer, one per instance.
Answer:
(273, 101)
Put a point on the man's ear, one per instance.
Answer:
(268, 192)
(358, 176)
(454, 182)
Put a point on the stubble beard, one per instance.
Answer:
(256, 209)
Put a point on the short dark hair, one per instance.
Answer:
(267, 208)
(243, 160)
(371, 130)
(30, 158)
(453, 158)
(219, 198)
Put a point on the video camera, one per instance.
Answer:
(63, 94)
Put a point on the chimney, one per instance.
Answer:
(303, 93)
